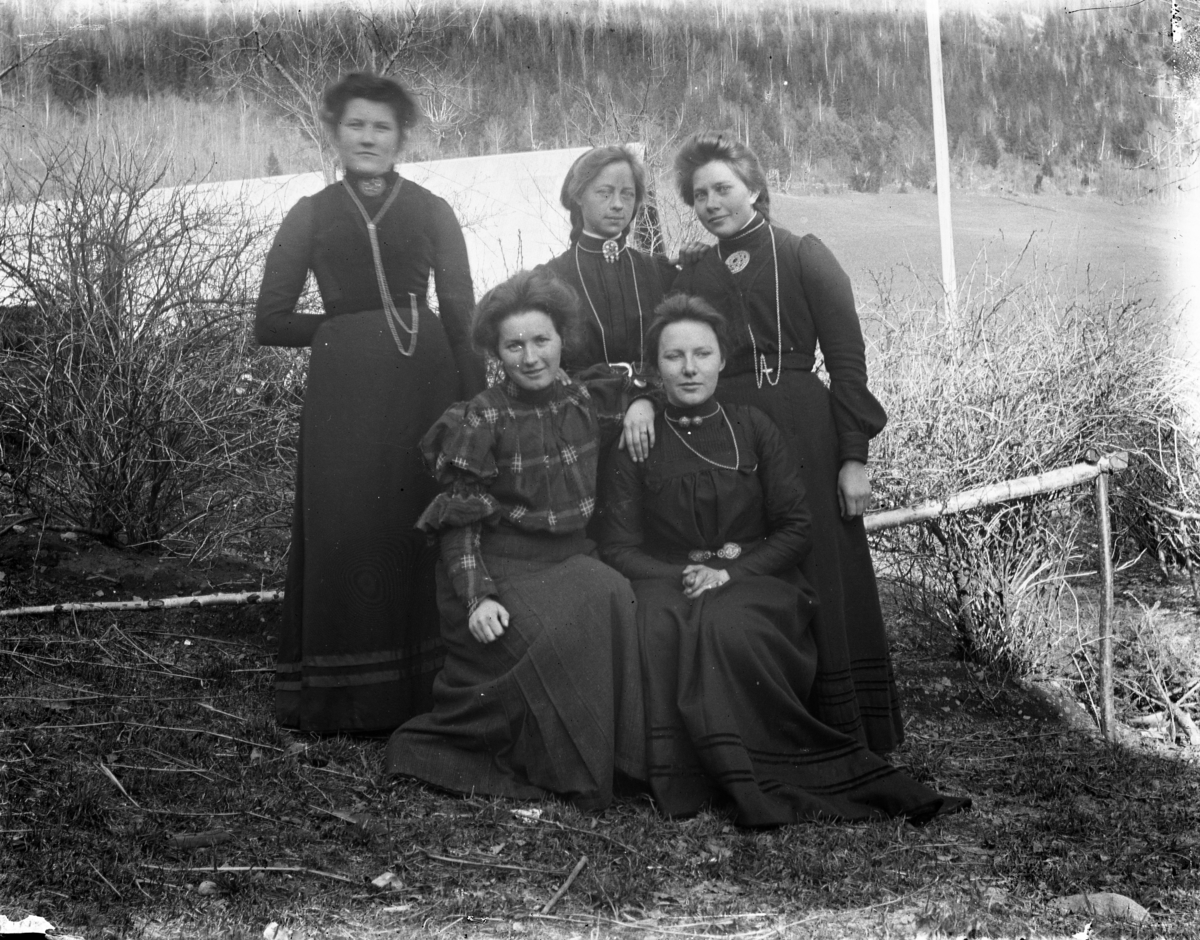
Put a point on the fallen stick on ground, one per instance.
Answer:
(199, 600)
(287, 869)
(566, 884)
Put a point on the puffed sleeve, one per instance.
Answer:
(459, 450)
(788, 521)
(857, 415)
(456, 295)
(611, 394)
(621, 536)
(276, 322)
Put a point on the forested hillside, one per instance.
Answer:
(816, 89)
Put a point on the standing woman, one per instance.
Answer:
(360, 641)
(784, 295)
(619, 285)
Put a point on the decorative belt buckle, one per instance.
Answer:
(698, 555)
(729, 551)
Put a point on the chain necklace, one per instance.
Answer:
(737, 454)
(761, 369)
(390, 314)
(596, 314)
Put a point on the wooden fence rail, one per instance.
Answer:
(1063, 478)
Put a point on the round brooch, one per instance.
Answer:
(371, 187)
(737, 262)
(611, 249)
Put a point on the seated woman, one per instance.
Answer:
(539, 693)
(711, 529)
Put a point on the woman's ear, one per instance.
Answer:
(721, 367)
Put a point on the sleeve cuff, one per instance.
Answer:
(853, 445)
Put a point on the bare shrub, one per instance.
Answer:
(1021, 380)
(133, 405)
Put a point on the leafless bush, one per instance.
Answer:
(132, 405)
(1021, 380)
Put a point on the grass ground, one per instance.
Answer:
(146, 792)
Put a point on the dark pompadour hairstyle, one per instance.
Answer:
(703, 148)
(680, 307)
(536, 290)
(370, 88)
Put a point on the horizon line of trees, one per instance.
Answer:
(801, 85)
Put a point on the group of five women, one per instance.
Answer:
(640, 553)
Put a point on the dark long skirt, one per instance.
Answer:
(360, 644)
(726, 678)
(855, 691)
(554, 704)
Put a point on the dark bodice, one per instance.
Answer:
(654, 514)
(616, 299)
(326, 234)
(814, 306)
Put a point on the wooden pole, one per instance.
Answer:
(1047, 482)
(1107, 709)
(200, 600)
(941, 146)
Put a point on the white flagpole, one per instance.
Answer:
(942, 155)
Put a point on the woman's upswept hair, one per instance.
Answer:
(370, 88)
(707, 146)
(525, 291)
(587, 168)
(682, 307)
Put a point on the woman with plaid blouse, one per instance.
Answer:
(540, 691)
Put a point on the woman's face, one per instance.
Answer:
(368, 137)
(723, 203)
(609, 201)
(530, 349)
(689, 361)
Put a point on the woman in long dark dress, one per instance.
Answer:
(711, 529)
(540, 691)
(785, 295)
(359, 643)
(619, 285)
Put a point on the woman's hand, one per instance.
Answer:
(700, 578)
(691, 252)
(561, 377)
(488, 620)
(638, 436)
(854, 489)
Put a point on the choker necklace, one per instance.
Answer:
(690, 421)
(741, 259)
(595, 313)
(737, 454)
(390, 313)
(372, 186)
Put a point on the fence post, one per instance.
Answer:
(1108, 725)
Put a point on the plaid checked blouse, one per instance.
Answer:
(519, 458)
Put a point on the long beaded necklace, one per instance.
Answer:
(595, 313)
(390, 313)
(737, 454)
(737, 262)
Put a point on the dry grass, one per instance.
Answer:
(177, 707)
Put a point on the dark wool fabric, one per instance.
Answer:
(729, 678)
(609, 296)
(359, 644)
(854, 690)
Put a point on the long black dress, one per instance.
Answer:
(618, 299)
(359, 644)
(788, 296)
(728, 678)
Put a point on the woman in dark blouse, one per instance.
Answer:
(711, 529)
(540, 691)
(784, 296)
(359, 642)
(619, 285)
